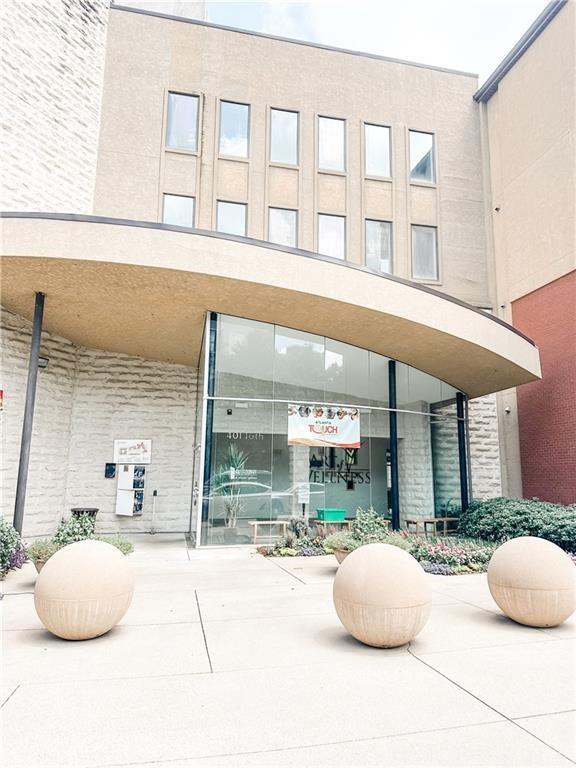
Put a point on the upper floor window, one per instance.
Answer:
(422, 157)
(178, 210)
(379, 245)
(182, 122)
(424, 253)
(231, 218)
(332, 235)
(283, 226)
(283, 137)
(376, 150)
(234, 127)
(331, 144)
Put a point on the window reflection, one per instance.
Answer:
(377, 150)
(182, 121)
(231, 218)
(331, 144)
(424, 253)
(421, 156)
(259, 482)
(178, 210)
(234, 122)
(332, 235)
(283, 136)
(282, 226)
(379, 245)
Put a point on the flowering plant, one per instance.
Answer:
(12, 551)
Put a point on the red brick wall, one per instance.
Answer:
(547, 408)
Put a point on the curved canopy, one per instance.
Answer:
(144, 288)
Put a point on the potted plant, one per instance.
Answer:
(341, 544)
(40, 551)
(226, 479)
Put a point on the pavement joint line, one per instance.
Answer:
(117, 627)
(7, 699)
(204, 632)
(506, 717)
(236, 671)
(546, 714)
(286, 570)
(304, 746)
(261, 618)
(483, 647)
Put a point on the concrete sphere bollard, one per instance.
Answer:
(382, 595)
(533, 581)
(84, 589)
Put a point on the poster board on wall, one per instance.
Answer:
(135, 451)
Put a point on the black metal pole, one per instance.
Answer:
(28, 413)
(395, 495)
(209, 425)
(462, 450)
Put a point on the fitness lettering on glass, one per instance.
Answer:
(323, 425)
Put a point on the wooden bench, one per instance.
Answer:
(323, 526)
(426, 521)
(283, 524)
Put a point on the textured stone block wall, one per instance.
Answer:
(52, 67)
(52, 423)
(484, 448)
(86, 398)
(415, 466)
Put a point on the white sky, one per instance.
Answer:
(470, 35)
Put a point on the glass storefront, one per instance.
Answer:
(257, 474)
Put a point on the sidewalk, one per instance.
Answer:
(226, 658)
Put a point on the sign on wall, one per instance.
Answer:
(130, 490)
(132, 451)
(323, 425)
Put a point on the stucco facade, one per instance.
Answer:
(148, 56)
(531, 204)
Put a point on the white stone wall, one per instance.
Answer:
(52, 66)
(416, 484)
(85, 399)
(484, 448)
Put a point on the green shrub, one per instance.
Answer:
(75, 529)
(41, 550)
(462, 555)
(369, 526)
(125, 546)
(501, 519)
(12, 552)
(341, 540)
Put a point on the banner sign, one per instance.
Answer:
(323, 425)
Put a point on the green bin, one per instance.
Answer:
(331, 514)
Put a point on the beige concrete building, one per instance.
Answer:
(265, 233)
(531, 203)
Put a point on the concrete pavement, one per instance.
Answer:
(228, 658)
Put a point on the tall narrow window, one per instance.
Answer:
(182, 122)
(424, 253)
(332, 235)
(331, 144)
(178, 210)
(422, 157)
(379, 245)
(234, 126)
(231, 218)
(283, 137)
(376, 150)
(282, 226)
